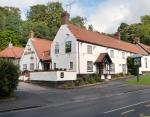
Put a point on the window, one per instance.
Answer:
(57, 48)
(54, 65)
(146, 66)
(112, 53)
(89, 49)
(24, 66)
(71, 65)
(124, 68)
(112, 68)
(89, 66)
(123, 55)
(32, 66)
(68, 46)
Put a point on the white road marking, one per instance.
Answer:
(126, 112)
(117, 109)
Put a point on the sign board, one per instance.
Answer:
(137, 61)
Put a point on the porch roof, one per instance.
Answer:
(103, 57)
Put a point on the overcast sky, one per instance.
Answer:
(104, 15)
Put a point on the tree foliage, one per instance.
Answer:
(8, 78)
(142, 30)
(7, 36)
(78, 21)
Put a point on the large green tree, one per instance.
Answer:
(78, 21)
(7, 36)
(49, 14)
(142, 30)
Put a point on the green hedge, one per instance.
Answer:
(8, 78)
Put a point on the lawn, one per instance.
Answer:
(144, 80)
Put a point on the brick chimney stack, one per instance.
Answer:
(136, 40)
(117, 36)
(65, 18)
(31, 34)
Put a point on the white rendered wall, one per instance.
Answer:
(52, 76)
(26, 59)
(118, 60)
(63, 59)
(143, 66)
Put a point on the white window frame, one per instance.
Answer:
(89, 49)
(112, 53)
(123, 55)
(71, 65)
(31, 66)
(146, 65)
(112, 68)
(90, 66)
(57, 48)
(68, 47)
(124, 69)
(24, 66)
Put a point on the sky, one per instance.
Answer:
(104, 15)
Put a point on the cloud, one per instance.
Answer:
(107, 16)
(104, 15)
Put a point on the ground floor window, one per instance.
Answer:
(112, 68)
(71, 65)
(54, 65)
(32, 66)
(89, 66)
(24, 66)
(124, 68)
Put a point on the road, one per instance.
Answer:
(115, 99)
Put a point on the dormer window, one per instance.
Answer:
(68, 46)
(57, 48)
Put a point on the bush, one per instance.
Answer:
(8, 78)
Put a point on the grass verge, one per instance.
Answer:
(144, 80)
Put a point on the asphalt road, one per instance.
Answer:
(114, 99)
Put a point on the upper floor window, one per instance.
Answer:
(68, 46)
(146, 66)
(112, 53)
(123, 55)
(89, 66)
(89, 49)
(57, 48)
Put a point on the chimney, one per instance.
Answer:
(117, 36)
(136, 40)
(65, 18)
(31, 34)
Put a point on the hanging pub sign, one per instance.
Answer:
(137, 61)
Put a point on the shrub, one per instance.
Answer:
(8, 77)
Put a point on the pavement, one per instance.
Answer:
(113, 99)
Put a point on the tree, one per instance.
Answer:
(145, 19)
(8, 78)
(90, 27)
(50, 14)
(7, 36)
(78, 21)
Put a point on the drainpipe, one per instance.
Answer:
(78, 59)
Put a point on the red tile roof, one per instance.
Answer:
(106, 41)
(145, 47)
(12, 52)
(42, 47)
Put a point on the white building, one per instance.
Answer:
(36, 55)
(86, 52)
